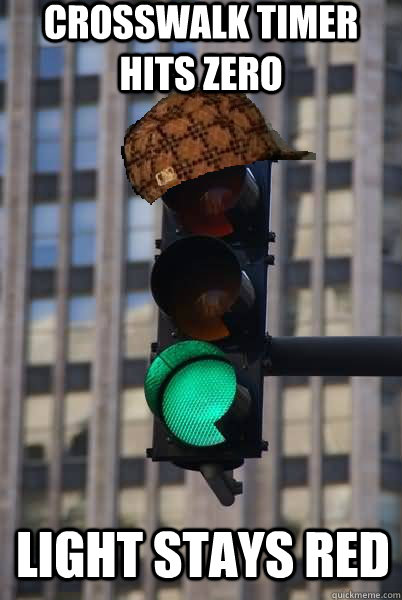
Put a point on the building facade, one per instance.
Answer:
(77, 317)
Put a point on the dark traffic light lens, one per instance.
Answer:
(196, 281)
(204, 206)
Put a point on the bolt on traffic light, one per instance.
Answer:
(205, 382)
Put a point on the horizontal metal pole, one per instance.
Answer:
(347, 356)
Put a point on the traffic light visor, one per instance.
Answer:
(206, 205)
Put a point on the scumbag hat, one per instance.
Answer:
(187, 135)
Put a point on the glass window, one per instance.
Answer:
(34, 514)
(3, 144)
(83, 233)
(73, 509)
(41, 331)
(341, 53)
(130, 595)
(37, 427)
(50, 57)
(392, 313)
(85, 137)
(300, 225)
(45, 235)
(139, 107)
(392, 228)
(302, 123)
(140, 230)
(138, 324)
(135, 421)
(337, 506)
(391, 440)
(341, 119)
(393, 33)
(81, 340)
(133, 508)
(183, 47)
(296, 417)
(390, 516)
(3, 48)
(303, 54)
(393, 128)
(77, 408)
(139, 47)
(339, 222)
(172, 506)
(169, 594)
(89, 58)
(337, 419)
(47, 140)
(299, 312)
(338, 310)
(296, 513)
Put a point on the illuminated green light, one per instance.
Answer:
(201, 389)
(195, 398)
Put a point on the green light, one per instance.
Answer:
(198, 394)
(195, 398)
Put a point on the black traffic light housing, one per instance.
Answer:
(207, 265)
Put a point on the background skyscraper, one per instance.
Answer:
(77, 318)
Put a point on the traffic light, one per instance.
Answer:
(205, 381)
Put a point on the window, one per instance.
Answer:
(338, 310)
(184, 47)
(81, 340)
(135, 418)
(73, 509)
(296, 513)
(133, 508)
(83, 233)
(34, 510)
(41, 331)
(393, 33)
(139, 107)
(140, 230)
(343, 53)
(3, 48)
(299, 312)
(88, 58)
(45, 235)
(47, 140)
(391, 440)
(337, 419)
(169, 594)
(390, 520)
(337, 506)
(172, 506)
(341, 118)
(303, 54)
(50, 57)
(37, 427)
(392, 228)
(3, 146)
(300, 225)
(302, 123)
(296, 417)
(339, 223)
(77, 408)
(138, 323)
(140, 47)
(85, 137)
(392, 313)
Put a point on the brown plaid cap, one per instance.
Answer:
(187, 135)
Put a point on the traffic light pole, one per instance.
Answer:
(347, 356)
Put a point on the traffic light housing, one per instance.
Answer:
(205, 381)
